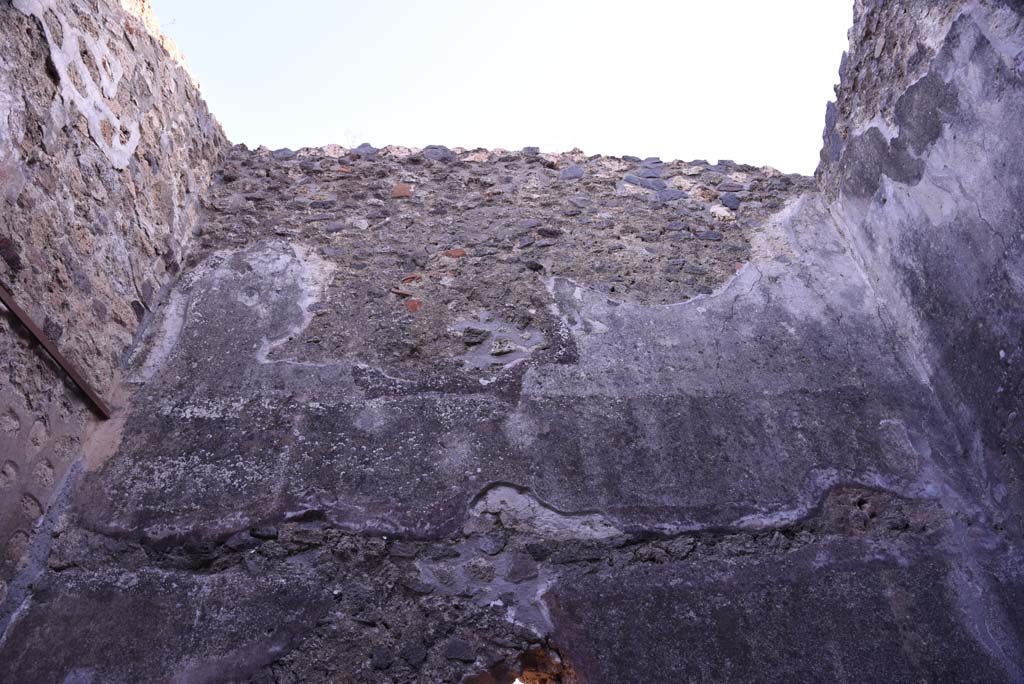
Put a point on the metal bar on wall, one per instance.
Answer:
(42, 338)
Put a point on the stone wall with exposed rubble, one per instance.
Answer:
(471, 416)
(105, 151)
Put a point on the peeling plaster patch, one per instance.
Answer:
(519, 510)
(505, 346)
(66, 54)
(170, 328)
(301, 268)
(772, 242)
(571, 300)
(12, 178)
(758, 521)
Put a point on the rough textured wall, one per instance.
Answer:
(105, 150)
(923, 167)
(461, 416)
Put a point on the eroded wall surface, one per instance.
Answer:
(467, 415)
(923, 168)
(105, 150)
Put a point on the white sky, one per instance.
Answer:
(681, 79)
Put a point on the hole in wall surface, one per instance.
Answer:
(537, 665)
(544, 666)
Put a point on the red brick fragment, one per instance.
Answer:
(413, 305)
(412, 278)
(456, 253)
(401, 190)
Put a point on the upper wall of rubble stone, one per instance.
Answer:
(922, 164)
(105, 150)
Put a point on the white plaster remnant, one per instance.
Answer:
(767, 521)
(117, 138)
(12, 178)
(292, 265)
(523, 512)
(171, 324)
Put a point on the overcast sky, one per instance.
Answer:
(679, 79)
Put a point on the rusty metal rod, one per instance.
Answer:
(42, 338)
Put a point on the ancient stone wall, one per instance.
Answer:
(922, 163)
(471, 416)
(105, 151)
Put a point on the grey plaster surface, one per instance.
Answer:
(736, 409)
